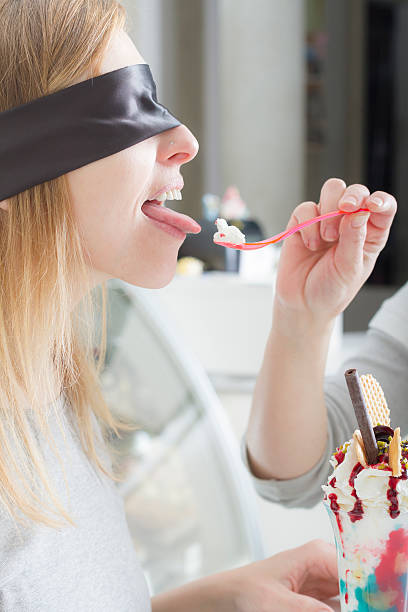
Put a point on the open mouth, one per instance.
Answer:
(170, 221)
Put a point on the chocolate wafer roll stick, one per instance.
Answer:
(362, 415)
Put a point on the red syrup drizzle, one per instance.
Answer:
(332, 483)
(346, 596)
(339, 456)
(334, 506)
(357, 512)
(392, 494)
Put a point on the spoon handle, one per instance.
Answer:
(296, 228)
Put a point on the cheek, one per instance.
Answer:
(118, 240)
(110, 186)
(106, 193)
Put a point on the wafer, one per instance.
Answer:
(375, 400)
(394, 453)
(359, 446)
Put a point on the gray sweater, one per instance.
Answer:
(384, 354)
(88, 568)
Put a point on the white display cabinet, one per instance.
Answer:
(190, 504)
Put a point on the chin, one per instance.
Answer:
(153, 280)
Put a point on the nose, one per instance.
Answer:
(177, 146)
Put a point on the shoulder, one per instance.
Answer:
(392, 317)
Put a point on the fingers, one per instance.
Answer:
(302, 603)
(311, 234)
(363, 236)
(354, 198)
(331, 192)
(363, 239)
(349, 253)
(319, 557)
(383, 206)
(333, 197)
(319, 576)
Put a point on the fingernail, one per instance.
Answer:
(359, 220)
(377, 201)
(330, 234)
(349, 200)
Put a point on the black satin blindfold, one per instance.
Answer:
(75, 126)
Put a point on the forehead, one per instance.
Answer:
(121, 52)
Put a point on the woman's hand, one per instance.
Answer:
(321, 269)
(323, 266)
(292, 580)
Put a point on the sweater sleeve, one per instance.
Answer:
(384, 354)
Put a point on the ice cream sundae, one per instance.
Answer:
(367, 500)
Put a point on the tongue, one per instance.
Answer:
(171, 217)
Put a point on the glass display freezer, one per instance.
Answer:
(190, 504)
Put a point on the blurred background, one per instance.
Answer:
(281, 96)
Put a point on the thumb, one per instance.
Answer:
(302, 603)
(349, 253)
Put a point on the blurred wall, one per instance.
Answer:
(345, 95)
(262, 104)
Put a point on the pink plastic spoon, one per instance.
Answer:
(251, 246)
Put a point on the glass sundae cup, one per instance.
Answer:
(368, 509)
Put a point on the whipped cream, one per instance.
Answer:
(370, 485)
(228, 233)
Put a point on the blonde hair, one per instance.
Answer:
(45, 46)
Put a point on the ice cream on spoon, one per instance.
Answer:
(229, 234)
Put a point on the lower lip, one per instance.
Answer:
(174, 224)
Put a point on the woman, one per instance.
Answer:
(75, 177)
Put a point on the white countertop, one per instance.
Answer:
(225, 320)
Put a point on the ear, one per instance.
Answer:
(4, 204)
